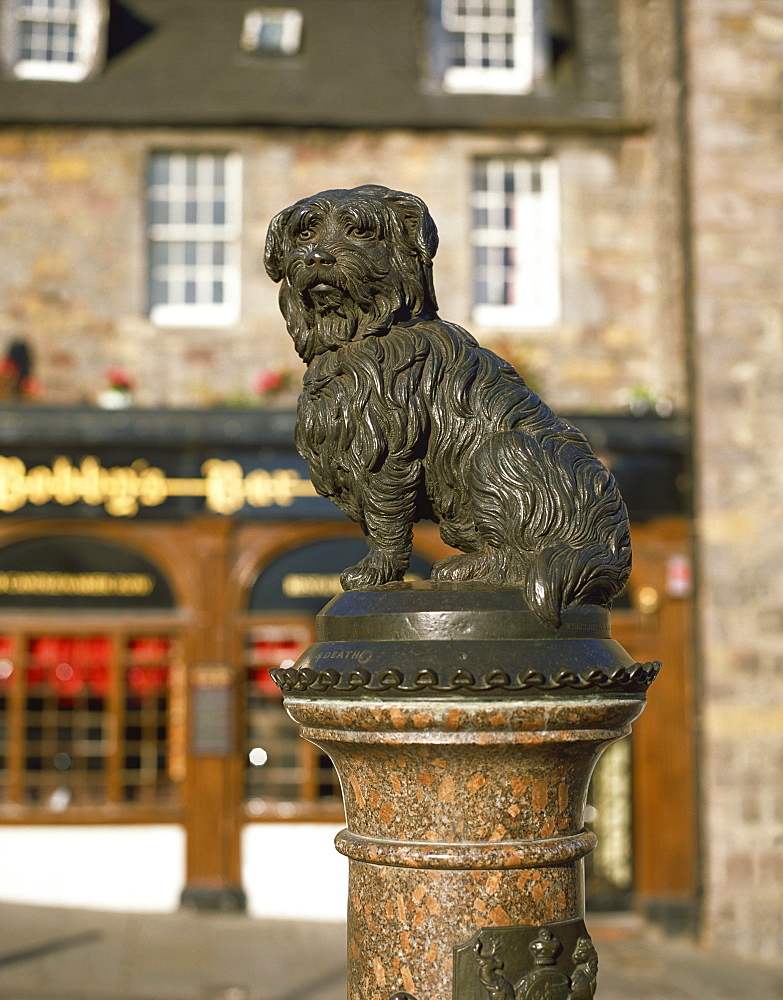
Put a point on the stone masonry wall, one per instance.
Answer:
(73, 280)
(736, 54)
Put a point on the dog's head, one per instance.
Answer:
(352, 263)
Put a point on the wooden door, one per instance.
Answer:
(656, 624)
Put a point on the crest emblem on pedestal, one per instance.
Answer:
(555, 961)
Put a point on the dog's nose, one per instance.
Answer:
(319, 256)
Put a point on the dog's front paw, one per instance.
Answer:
(376, 568)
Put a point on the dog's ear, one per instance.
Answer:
(275, 244)
(418, 223)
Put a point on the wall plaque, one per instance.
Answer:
(211, 710)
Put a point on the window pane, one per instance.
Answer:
(71, 43)
(281, 767)
(48, 32)
(535, 179)
(272, 31)
(188, 214)
(271, 35)
(158, 212)
(487, 46)
(159, 253)
(176, 253)
(158, 169)
(158, 292)
(65, 743)
(26, 40)
(516, 236)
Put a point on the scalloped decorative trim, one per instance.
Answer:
(632, 679)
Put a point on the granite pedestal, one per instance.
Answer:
(464, 732)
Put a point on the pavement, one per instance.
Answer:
(58, 954)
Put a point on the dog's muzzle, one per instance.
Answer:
(318, 280)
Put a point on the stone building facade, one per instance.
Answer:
(74, 280)
(74, 214)
(735, 51)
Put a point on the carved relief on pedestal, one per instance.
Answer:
(556, 961)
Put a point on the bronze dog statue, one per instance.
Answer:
(404, 416)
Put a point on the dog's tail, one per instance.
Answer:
(555, 519)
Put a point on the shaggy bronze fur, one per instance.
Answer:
(404, 416)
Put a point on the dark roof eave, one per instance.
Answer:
(524, 123)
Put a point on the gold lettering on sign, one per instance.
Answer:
(311, 584)
(319, 584)
(123, 489)
(40, 584)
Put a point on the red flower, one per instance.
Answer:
(118, 378)
(269, 380)
(8, 369)
(32, 388)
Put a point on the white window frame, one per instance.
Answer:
(178, 193)
(519, 208)
(287, 19)
(87, 17)
(484, 26)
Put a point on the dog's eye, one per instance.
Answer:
(362, 233)
(305, 234)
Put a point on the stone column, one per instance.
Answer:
(464, 732)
